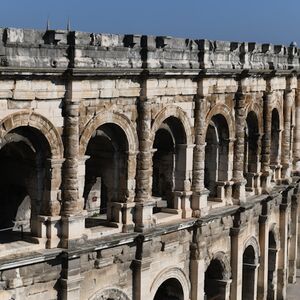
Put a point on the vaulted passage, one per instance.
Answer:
(249, 274)
(215, 285)
(171, 289)
(216, 154)
(23, 179)
(106, 170)
(169, 160)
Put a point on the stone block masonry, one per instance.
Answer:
(147, 168)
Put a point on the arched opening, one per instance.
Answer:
(214, 284)
(216, 154)
(249, 274)
(24, 181)
(169, 162)
(272, 256)
(251, 155)
(275, 132)
(106, 173)
(275, 142)
(291, 136)
(170, 289)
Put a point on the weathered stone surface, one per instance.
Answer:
(196, 146)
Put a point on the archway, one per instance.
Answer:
(272, 262)
(24, 180)
(110, 294)
(251, 155)
(106, 171)
(169, 161)
(170, 289)
(249, 274)
(215, 285)
(275, 131)
(216, 154)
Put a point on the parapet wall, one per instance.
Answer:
(62, 49)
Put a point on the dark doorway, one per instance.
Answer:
(171, 289)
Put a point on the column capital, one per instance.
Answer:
(263, 219)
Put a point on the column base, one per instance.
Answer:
(73, 229)
(239, 191)
(199, 203)
(144, 216)
(182, 202)
(266, 185)
(48, 230)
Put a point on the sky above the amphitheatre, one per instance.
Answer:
(263, 21)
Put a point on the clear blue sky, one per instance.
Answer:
(275, 21)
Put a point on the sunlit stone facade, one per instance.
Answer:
(143, 167)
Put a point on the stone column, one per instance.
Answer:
(73, 217)
(283, 252)
(48, 221)
(128, 206)
(197, 268)
(144, 207)
(239, 195)
(70, 279)
(200, 193)
(296, 145)
(183, 170)
(266, 142)
(294, 239)
(286, 142)
(141, 270)
(236, 263)
(262, 285)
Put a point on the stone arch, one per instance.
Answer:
(224, 261)
(102, 118)
(258, 112)
(176, 112)
(225, 111)
(278, 105)
(252, 241)
(217, 277)
(171, 273)
(110, 293)
(275, 231)
(37, 121)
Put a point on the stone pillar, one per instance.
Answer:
(70, 279)
(128, 206)
(200, 193)
(283, 252)
(262, 285)
(141, 270)
(286, 139)
(294, 239)
(144, 205)
(296, 145)
(236, 263)
(266, 142)
(72, 213)
(239, 195)
(183, 174)
(47, 224)
(197, 268)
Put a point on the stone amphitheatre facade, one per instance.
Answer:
(140, 167)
